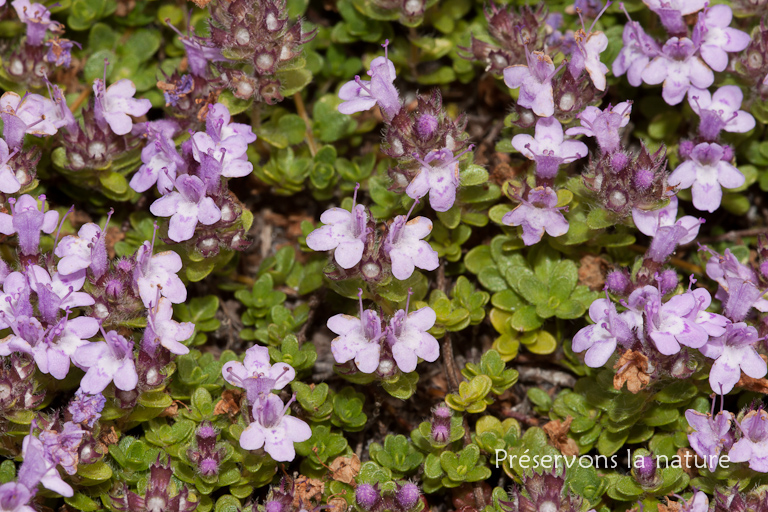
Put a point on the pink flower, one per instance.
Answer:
(409, 340)
(535, 82)
(107, 361)
(344, 231)
(679, 68)
(256, 365)
(186, 206)
(715, 37)
(116, 104)
(601, 338)
(706, 172)
(548, 148)
(720, 111)
(734, 352)
(274, 430)
(359, 95)
(538, 214)
(405, 246)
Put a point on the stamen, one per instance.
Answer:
(408, 301)
(607, 5)
(386, 45)
(557, 70)
(360, 297)
(354, 197)
(415, 202)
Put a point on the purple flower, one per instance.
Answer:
(230, 152)
(186, 208)
(720, 111)
(753, 447)
(733, 352)
(738, 290)
(547, 148)
(160, 162)
(52, 347)
(715, 37)
(219, 126)
(714, 324)
(27, 220)
(710, 436)
(706, 172)
(156, 275)
(57, 293)
(274, 430)
(162, 329)
(590, 45)
(603, 125)
(200, 51)
(37, 467)
(405, 247)
(87, 249)
(698, 503)
(33, 114)
(638, 50)
(86, 409)
(649, 222)
(601, 338)
(37, 17)
(667, 238)
(438, 175)
(678, 67)
(359, 95)
(62, 447)
(113, 105)
(107, 361)
(9, 184)
(60, 51)
(535, 82)
(14, 300)
(343, 231)
(409, 340)
(256, 365)
(671, 12)
(669, 324)
(359, 338)
(537, 214)
(14, 497)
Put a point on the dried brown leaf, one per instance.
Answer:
(632, 369)
(345, 469)
(557, 431)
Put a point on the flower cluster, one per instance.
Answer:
(360, 251)
(41, 301)
(251, 43)
(271, 428)
(424, 142)
(398, 345)
(33, 57)
(193, 184)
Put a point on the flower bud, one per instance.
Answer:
(426, 125)
(441, 424)
(645, 471)
(727, 153)
(685, 148)
(667, 281)
(619, 161)
(407, 496)
(643, 179)
(367, 497)
(618, 282)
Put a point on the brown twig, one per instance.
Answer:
(688, 267)
(730, 236)
(302, 111)
(80, 99)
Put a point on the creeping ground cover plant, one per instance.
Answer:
(384, 256)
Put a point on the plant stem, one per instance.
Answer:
(308, 122)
